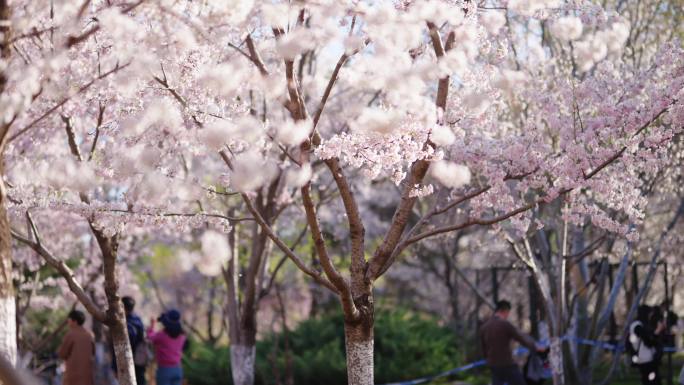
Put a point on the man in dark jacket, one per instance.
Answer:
(496, 336)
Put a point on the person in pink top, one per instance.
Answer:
(169, 344)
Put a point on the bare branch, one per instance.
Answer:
(54, 108)
(34, 33)
(165, 83)
(328, 88)
(200, 214)
(281, 262)
(100, 119)
(74, 40)
(297, 261)
(472, 222)
(71, 137)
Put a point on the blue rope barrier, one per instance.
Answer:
(519, 351)
(472, 365)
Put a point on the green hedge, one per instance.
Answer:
(407, 346)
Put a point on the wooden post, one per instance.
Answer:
(495, 285)
(534, 316)
(612, 326)
(635, 278)
(668, 336)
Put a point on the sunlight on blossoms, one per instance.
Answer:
(450, 174)
(567, 28)
(215, 253)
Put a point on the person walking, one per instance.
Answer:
(169, 344)
(645, 346)
(496, 336)
(78, 351)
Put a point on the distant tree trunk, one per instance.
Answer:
(289, 375)
(242, 359)
(244, 295)
(241, 328)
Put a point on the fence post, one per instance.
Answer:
(495, 285)
(534, 319)
(668, 335)
(612, 326)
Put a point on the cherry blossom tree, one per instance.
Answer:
(397, 125)
(471, 123)
(57, 83)
(28, 73)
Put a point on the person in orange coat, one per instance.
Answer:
(77, 351)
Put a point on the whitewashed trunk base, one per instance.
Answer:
(8, 329)
(242, 359)
(123, 354)
(360, 362)
(556, 361)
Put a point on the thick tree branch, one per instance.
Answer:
(296, 104)
(383, 254)
(61, 268)
(254, 56)
(440, 51)
(319, 243)
(356, 227)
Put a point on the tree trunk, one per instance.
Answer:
(242, 363)
(8, 310)
(241, 328)
(242, 349)
(116, 318)
(359, 347)
(122, 351)
(8, 334)
(556, 359)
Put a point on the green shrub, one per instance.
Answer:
(407, 346)
(206, 365)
